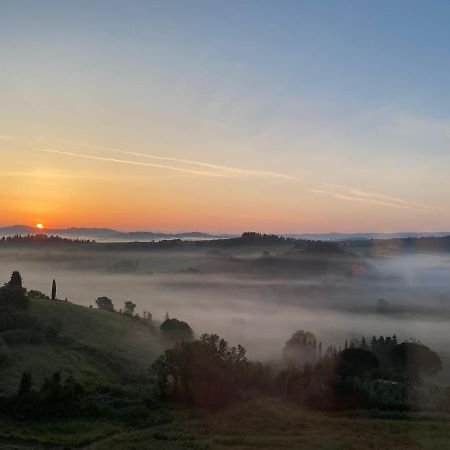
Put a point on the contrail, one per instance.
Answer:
(340, 192)
(376, 199)
(233, 170)
(381, 197)
(133, 163)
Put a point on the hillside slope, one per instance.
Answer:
(94, 345)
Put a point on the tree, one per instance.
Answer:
(37, 295)
(300, 349)
(364, 345)
(129, 308)
(105, 303)
(413, 360)
(13, 295)
(356, 362)
(147, 315)
(176, 330)
(54, 290)
(15, 281)
(204, 372)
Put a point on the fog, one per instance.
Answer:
(405, 295)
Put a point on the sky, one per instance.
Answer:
(275, 116)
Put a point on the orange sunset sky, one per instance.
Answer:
(160, 117)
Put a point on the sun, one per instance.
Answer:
(40, 226)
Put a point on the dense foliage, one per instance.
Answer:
(207, 372)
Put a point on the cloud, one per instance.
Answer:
(128, 162)
(216, 170)
(357, 195)
(228, 169)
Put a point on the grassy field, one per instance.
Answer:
(262, 424)
(269, 424)
(94, 345)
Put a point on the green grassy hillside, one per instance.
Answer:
(94, 345)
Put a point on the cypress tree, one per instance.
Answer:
(54, 290)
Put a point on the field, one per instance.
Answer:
(263, 424)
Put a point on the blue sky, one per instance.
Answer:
(349, 98)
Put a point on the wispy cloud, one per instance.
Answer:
(357, 195)
(215, 170)
(129, 162)
(227, 169)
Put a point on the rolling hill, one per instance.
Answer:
(94, 345)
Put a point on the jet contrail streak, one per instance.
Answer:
(134, 163)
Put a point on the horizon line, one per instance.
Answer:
(219, 233)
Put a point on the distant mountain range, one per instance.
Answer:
(108, 234)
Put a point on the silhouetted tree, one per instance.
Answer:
(105, 303)
(300, 349)
(37, 295)
(15, 281)
(364, 345)
(356, 362)
(414, 360)
(54, 290)
(175, 330)
(13, 295)
(206, 372)
(129, 308)
(147, 315)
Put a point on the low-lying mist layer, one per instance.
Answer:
(242, 295)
